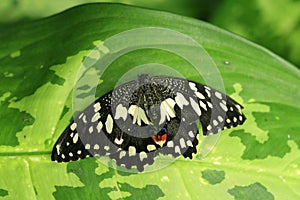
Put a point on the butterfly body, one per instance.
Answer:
(141, 119)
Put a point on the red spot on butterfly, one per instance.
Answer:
(160, 139)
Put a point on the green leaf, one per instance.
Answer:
(32, 9)
(249, 19)
(39, 65)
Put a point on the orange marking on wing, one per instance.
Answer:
(160, 139)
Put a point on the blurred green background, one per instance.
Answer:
(272, 24)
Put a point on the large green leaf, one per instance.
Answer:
(39, 62)
(32, 9)
(250, 18)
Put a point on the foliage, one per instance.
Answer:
(274, 25)
(39, 62)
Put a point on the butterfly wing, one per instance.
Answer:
(109, 127)
(114, 126)
(218, 111)
(84, 136)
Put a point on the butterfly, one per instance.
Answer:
(141, 119)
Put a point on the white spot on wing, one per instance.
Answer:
(97, 107)
(177, 149)
(87, 146)
(170, 144)
(182, 143)
(131, 151)
(121, 111)
(220, 118)
(57, 149)
(191, 134)
(75, 138)
(209, 104)
(223, 106)
(206, 87)
(96, 147)
(234, 119)
(209, 127)
(84, 119)
(167, 110)
(109, 124)
(203, 105)
(91, 129)
(143, 155)
(239, 108)
(122, 154)
(73, 126)
(106, 148)
(207, 92)
(218, 95)
(80, 116)
(151, 147)
(193, 86)
(181, 100)
(138, 115)
(96, 117)
(119, 141)
(99, 126)
(200, 95)
(215, 122)
(240, 118)
(189, 143)
(195, 106)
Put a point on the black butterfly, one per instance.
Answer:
(141, 119)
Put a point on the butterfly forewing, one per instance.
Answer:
(218, 111)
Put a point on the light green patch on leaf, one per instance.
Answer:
(101, 47)
(15, 54)
(55, 175)
(277, 135)
(260, 141)
(251, 192)
(213, 176)
(8, 75)
(45, 117)
(21, 118)
(251, 107)
(85, 170)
